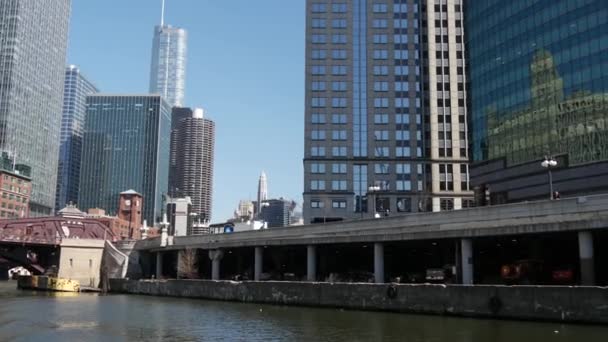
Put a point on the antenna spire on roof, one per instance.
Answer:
(162, 14)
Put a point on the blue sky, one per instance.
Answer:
(245, 67)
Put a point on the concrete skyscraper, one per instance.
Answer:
(33, 39)
(262, 191)
(191, 159)
(168, 65)
(75, 90)
(385, 111)
(125, 146)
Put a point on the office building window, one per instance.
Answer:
(338, 168)
(338, 151)
(338, 119)
(404, 204)
(317, 151)
(338, 204)
(318, 7)
(381, 169)
(315, 203)
(318, 135)
(317, 184)
(339, 7)
(316, 168)
(338, 185)
(317, 118)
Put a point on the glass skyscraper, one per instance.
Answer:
(168, 66)
(385, 128)
(75, 91)
(539, 87)
(126, 146)
(33, 39)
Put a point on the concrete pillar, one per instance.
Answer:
(585, 251)
(311, 263)
(378, 262)
(216, 257)
(466, 253)
(159, 265)
(258, 262)
(457, 262)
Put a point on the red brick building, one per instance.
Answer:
(130, 206)
(15, 191)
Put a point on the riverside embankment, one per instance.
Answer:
(539, 303)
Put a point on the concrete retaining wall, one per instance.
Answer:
(552, 303)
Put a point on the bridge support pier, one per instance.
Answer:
(585, 249)
(159, 265)
(216, 257)
(311, 263)
(258, 262)
(379, 262)
(466, 262)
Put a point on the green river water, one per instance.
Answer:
(44, 316)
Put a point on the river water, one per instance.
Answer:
(44, 316)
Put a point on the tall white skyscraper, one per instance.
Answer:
(262, 191)
(168, 66)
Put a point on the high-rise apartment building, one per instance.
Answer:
(539, 87)
(125, 146)
(262, 191)
(385, 113)
(191, 161)
(75, 90)
(168, 65)
(33, 39)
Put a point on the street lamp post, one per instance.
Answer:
(372, 189)
(549, 163)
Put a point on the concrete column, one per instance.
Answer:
(159, 265)
(466, 253)
(216, 257)
(585, 251)
(311, 263)
(457, 262)
(379, 262)
(258, 262)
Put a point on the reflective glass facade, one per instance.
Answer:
(75, 91)
(538, 73)
(168, 65)
(33, 40)
(126, 146)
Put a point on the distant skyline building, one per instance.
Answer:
(75, 90)
(178, 214)
(539, 87)
(277, 212)
(191, 159)
(385, 113)
(33, 40)
(125, 146)
(262, 191)
(168, 64)
(245, 209)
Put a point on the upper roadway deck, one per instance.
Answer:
(569, 214)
